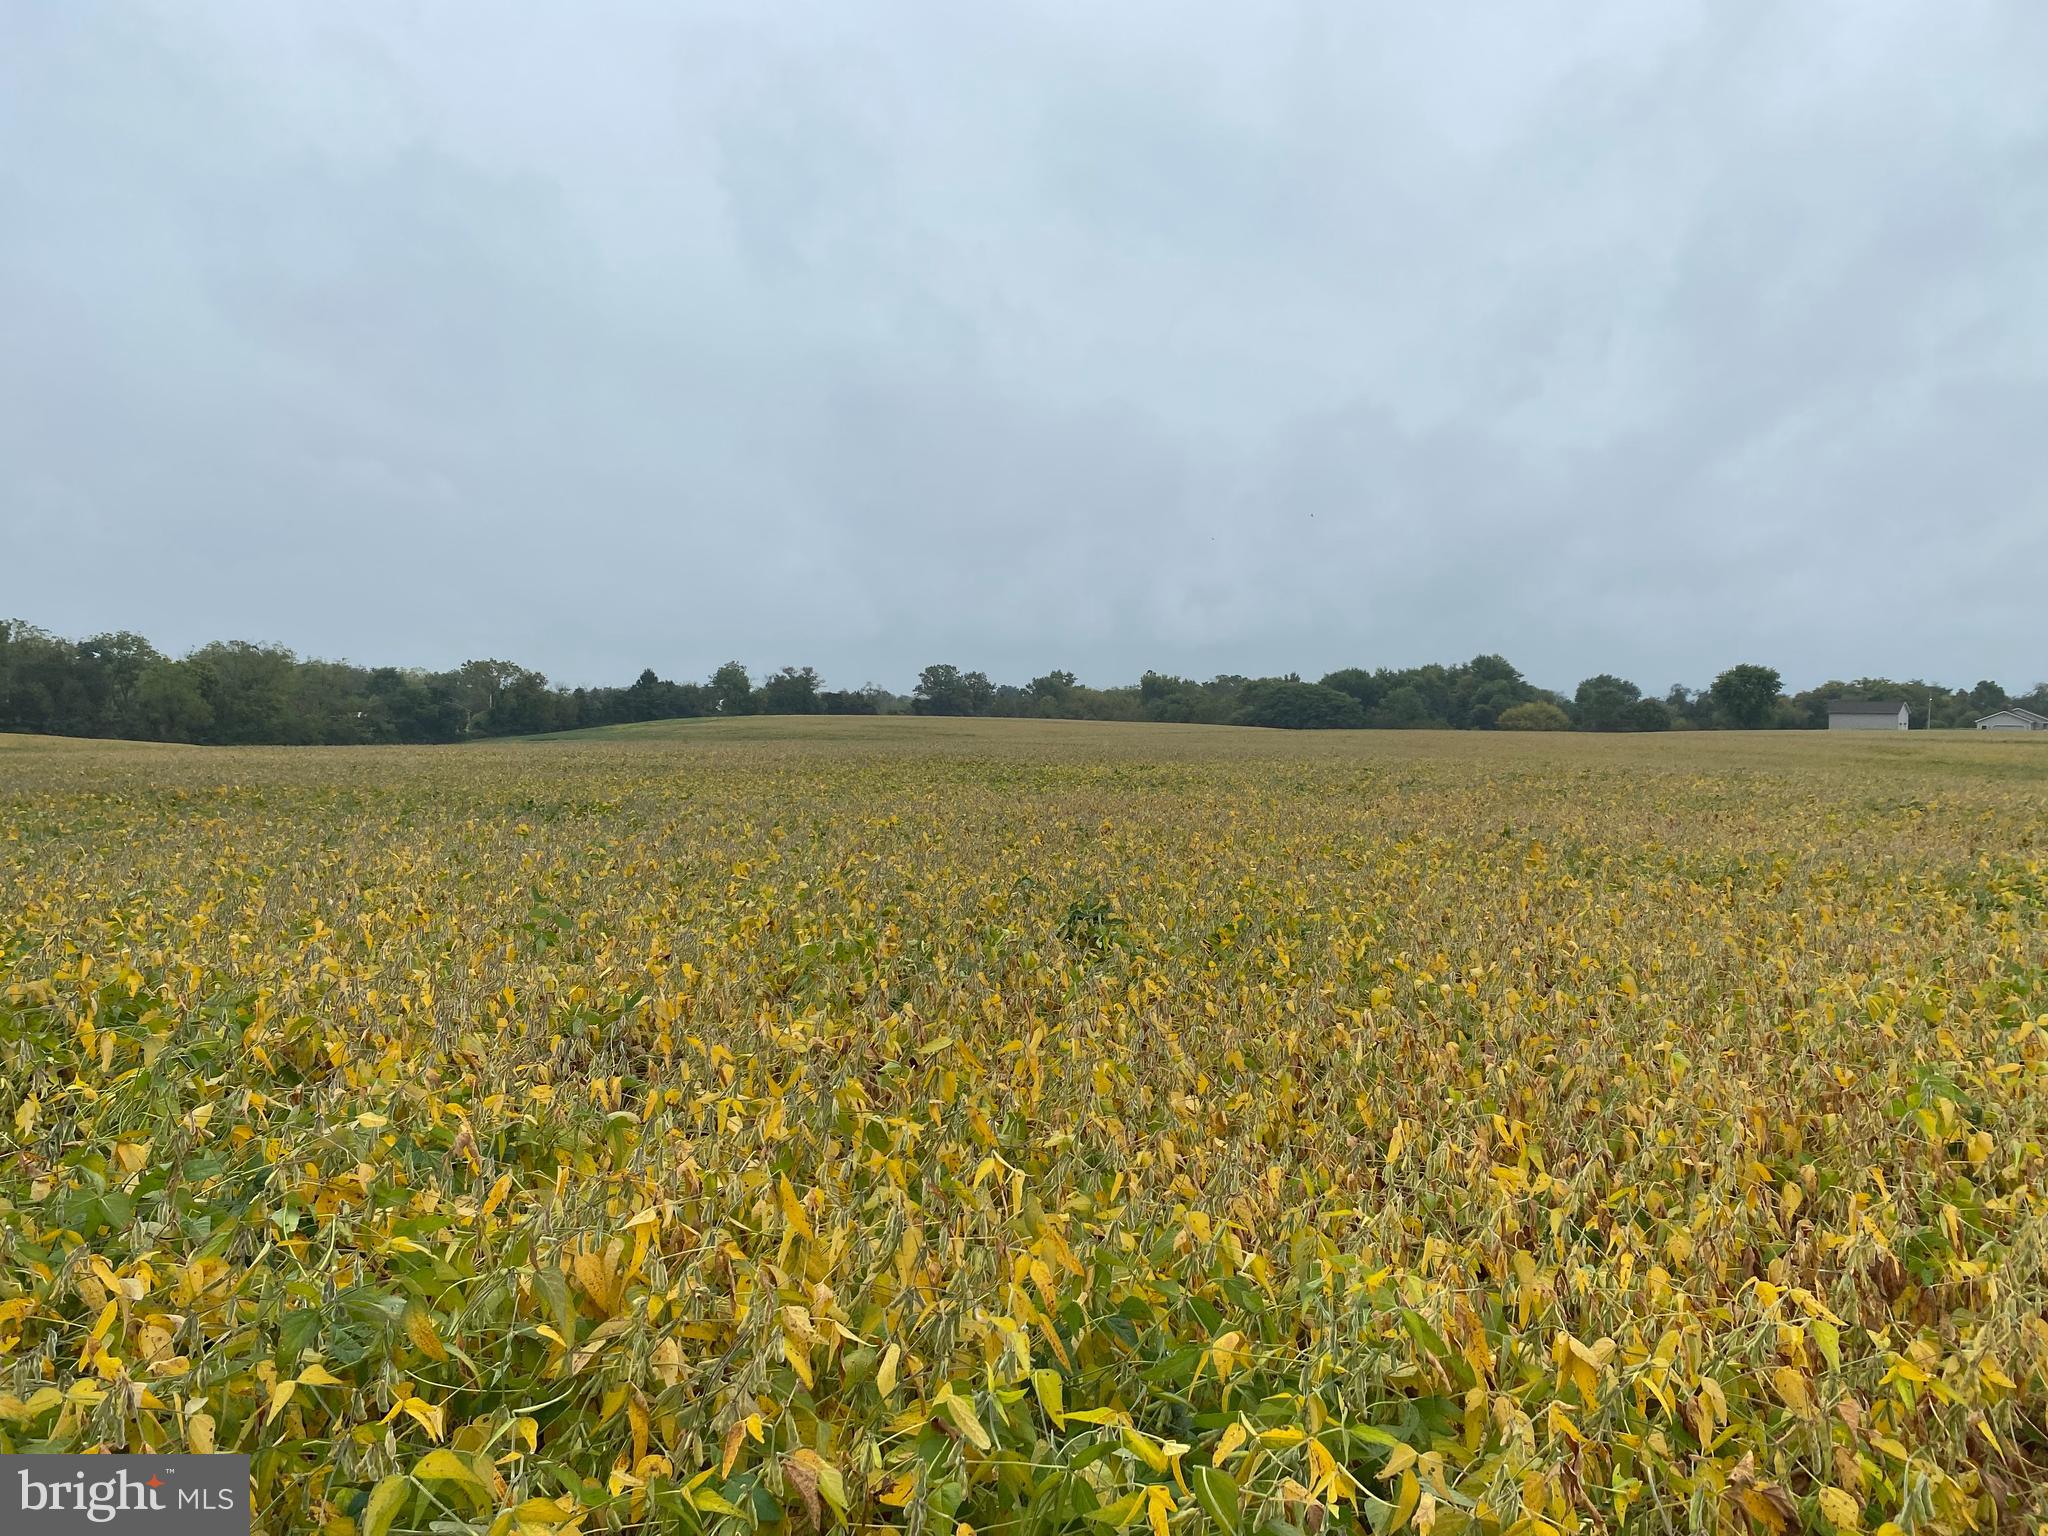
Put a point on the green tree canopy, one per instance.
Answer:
(792, 691)
(1297, 706)
(732, 691)
(1745, 695)
(1536, 715)
(944, 689)
(1604, 702)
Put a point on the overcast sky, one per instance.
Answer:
(1205, 337)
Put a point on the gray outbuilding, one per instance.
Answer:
(1867, 715)
(2013, 719)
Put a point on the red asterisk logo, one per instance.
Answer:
(155, 1481)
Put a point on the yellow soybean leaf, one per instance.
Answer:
(1405, 1499)
(1768, 1507)
(1234, 1435)
(793, 1209)
(1144, 1448)
(825, 1477)
(497, 1195)
(280, 1397)
(1791, 1386)
(832, 1485)
(1107, 1416)
(419, 1328)
(1227, 1353)
(960, 1414)
(1051, 1395)
(381, 1510)
(799, 1361)
(1841, 1509)
(1331, 1480)
(1120, 1513)
(715, 1503)
(735, 1441)
(598, 1275)
(448, 1467)
(431, 1417)
(1158, 1506)
(885, 1373)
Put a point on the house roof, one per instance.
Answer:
(2024, 714)
(1865, 706)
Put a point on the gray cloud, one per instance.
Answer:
(1636, 337)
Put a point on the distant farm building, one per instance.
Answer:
(1866, 715)
(2014, 719)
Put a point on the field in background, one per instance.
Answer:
(1037, 1127)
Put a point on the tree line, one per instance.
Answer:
(233, 692)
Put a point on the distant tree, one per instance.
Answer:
(792, 691)
(855, 701)
(412, 706)
(107, 669)
(1535, 715)
(1493, 669)
(478, 685)
(1786, 715)
(524, 706)
(732, 690)
(35, 672)
(945, 690)
(326, 705)
(1406, 708)
(1162, 696)
(649, 697)
(1988, 698)
(1292, 705)
(247, 687)
(1686, 706)
(1049, 694)
(1745, 695)
(1604, 702)
(1366, 687)
(117, 684)
(1470, 694)
(640, 700)
(168, 704)
(1154, 686)
(1480, 707)
(939, 691)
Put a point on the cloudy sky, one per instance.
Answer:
(1640, 337)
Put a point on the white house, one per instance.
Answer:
(2014, 719)
(1864, 715)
